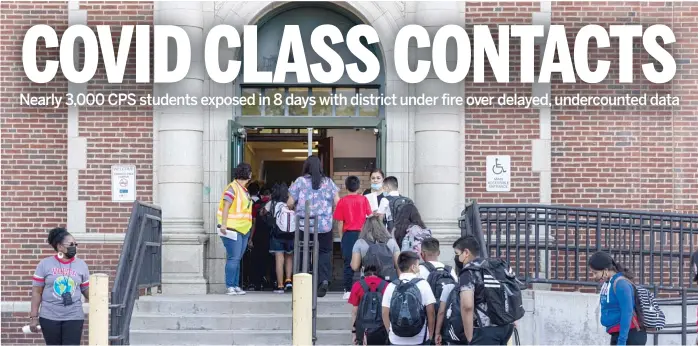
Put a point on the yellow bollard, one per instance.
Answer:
(99, 310)
(302, 309)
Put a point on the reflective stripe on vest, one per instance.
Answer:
(240, 211)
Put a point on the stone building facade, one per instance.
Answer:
(56, 161)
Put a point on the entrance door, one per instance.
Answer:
(325, 152)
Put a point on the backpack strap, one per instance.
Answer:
(364, 286)
(430, 267)
(381, 286)
(621, 278)
(448, 269)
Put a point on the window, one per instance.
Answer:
(298, 106)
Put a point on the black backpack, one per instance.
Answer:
(438, 277)
(380, 256)
(501, 291)
(407, 313)
(452, 329)
(395, 203)
(369, 316)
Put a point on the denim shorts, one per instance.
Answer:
(284, 245)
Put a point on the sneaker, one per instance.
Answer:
(231, 291)
(239, 291)
(346, 295)
(279, 290)
(288, 286)
(322, 290)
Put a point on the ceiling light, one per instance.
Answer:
(297, 150)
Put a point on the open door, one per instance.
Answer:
(326, 154)
(238, 136)
(381, 143)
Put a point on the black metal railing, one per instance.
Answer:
(140, 267)
(301, 254)
(551, 245)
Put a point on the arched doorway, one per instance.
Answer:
(314, 128)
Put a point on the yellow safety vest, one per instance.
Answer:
(240, 211)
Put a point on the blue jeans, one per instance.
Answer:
(349, 238)
(234, 250)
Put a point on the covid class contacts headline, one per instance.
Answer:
(572, 63)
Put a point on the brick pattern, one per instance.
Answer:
(500, 130)
(12, 323)
(641, 158)
(35, 149)
(116, 135)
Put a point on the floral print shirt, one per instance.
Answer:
(321, 201)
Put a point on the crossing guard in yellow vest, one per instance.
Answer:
(234, 225)
(239, 216)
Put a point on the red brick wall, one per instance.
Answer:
(643, 158)
(34, 151)
(500, 130)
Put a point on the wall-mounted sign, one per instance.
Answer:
(123, 183)
(498, 173)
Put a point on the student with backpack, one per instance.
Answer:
(392, 202)
(282, 223)
(366, 297)
(436, 273)
(621, 306)
(350, 214)
(487, 300)
(408, 305)
(375, 247)
(410, 230)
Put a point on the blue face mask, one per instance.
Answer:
(376, 186)
(385, 194)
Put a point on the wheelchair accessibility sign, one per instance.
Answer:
(498, 173)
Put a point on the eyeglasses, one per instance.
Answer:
(70, 244)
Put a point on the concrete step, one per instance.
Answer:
(150, 321)
(251, 303)
(231, 337)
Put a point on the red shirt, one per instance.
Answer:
(352, 210)
(357, 292)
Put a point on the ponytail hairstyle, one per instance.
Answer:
(601, 261)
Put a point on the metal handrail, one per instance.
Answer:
(140, 266)
(532, 237)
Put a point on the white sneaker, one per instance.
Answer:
(231, 291)
(346, 295)
(239, 291)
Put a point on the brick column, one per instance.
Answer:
(179, 150)
(439, 193)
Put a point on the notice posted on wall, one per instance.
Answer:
(498, 173)
(123, 183)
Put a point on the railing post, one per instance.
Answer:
(302, 309)
(99, 310)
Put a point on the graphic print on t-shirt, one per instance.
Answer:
(62, 285)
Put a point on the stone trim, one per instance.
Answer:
(100, 238)
(25, 306)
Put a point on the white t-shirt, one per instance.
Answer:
(427, 299)
(424, 272)
(384, 207)
(445, 292)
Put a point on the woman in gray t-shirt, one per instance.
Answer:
(59, 283)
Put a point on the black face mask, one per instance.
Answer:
(72, 251)
(459, 264)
